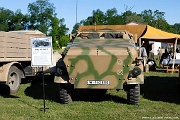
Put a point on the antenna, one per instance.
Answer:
(94, 20)
(76, 10)
(128, 8)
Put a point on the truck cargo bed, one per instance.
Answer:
(15, 46)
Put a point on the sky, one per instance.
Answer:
(67, 8)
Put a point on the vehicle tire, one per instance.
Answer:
(14, 79)
(65, 93)
(133, 94)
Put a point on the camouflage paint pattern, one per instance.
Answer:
(100, 63)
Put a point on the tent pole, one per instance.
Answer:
(135, 38)
(175, 46)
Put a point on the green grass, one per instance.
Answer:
(160, 99)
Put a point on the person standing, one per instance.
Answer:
(144, 55)
(159, 53)
(159, 56)
(151, 60)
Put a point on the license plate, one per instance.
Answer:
(98, 82)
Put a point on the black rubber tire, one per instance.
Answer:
(133, 94)
(14, 79)
(65, 93)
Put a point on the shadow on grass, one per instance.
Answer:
(5, 91)
(52, 92)
(164, 89)
(35, 90)
(93, 95)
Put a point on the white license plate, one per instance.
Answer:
(98, 82)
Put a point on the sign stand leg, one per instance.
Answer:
(44, 101)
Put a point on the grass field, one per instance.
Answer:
(160, 99)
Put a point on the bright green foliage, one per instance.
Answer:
(43, 18)
(54, 32)
(41, 13)
(156, 19)
(10, 20)
(75, 28)
(58, 33)
(109, 18)
(64, 40)
(98, 17)
(112, 17)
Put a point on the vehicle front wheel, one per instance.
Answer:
(133, 94)
(14, 79)
(65, 93)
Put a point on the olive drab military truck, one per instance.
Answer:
(101, 59)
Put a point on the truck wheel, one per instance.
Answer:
(14, 79)
(65, 95)
(133, 94)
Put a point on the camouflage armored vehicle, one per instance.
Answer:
(103, 59)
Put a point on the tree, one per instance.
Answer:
(112, 17)
(18, 20)
(176, 28)
(6, 19)
(133, 17)
(156, 19)
(64, 40)
(109, 18)
(40, 13)
(75, 28)
(148, 17)
(58, 32)
(125, 15)
(25, 22)
(42, 17)
(98, 17)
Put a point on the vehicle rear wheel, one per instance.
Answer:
(65, 93)
(133, 94)
(14, 79)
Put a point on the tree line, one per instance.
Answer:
(111, 17)
(42, 16)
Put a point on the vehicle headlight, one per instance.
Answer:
(136, 71)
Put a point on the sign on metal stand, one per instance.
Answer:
(41, 55)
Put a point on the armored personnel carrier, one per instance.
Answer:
(102, 59)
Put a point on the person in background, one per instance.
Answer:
(177, 50)
(164, 56)
(151, 60)
(159, 55)
(144, 55)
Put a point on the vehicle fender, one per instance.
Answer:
(4, 70)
